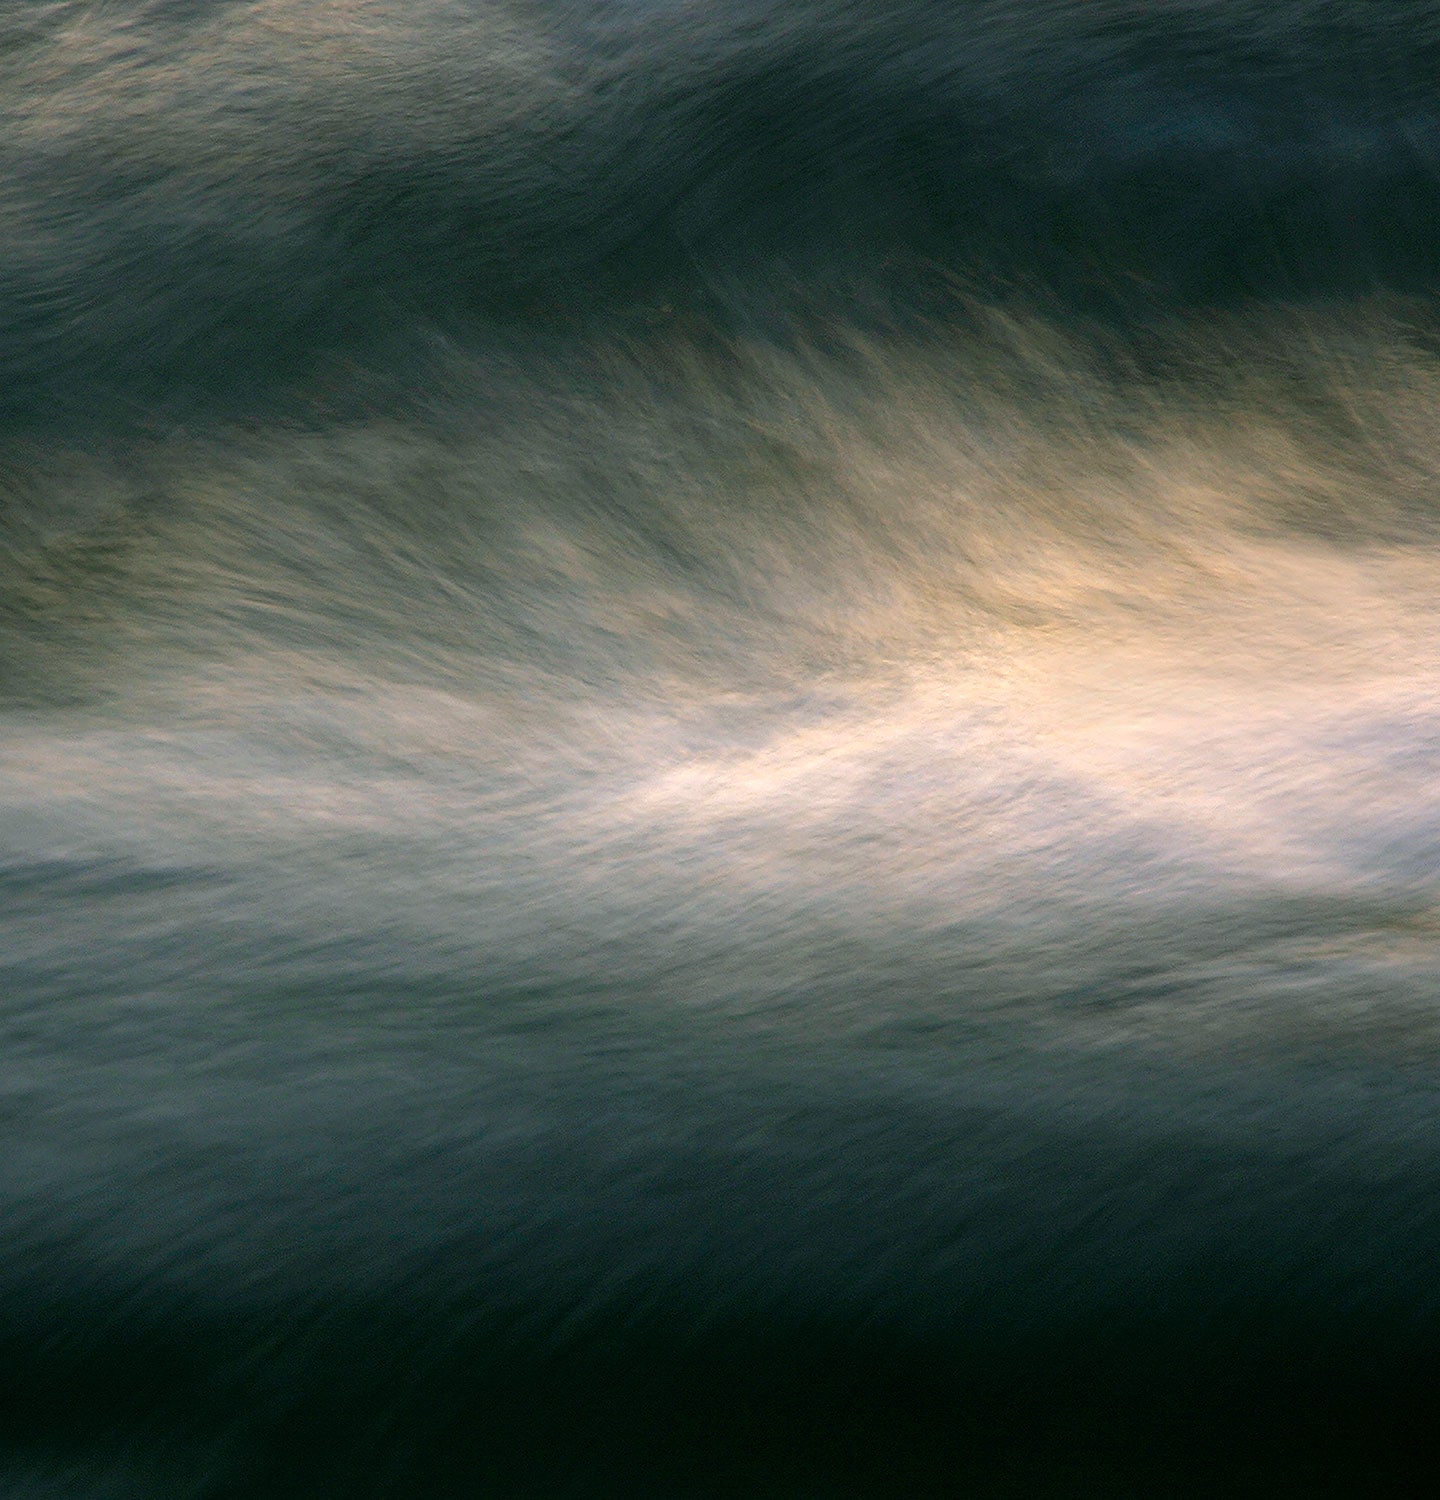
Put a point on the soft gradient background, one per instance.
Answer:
(719, 748)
